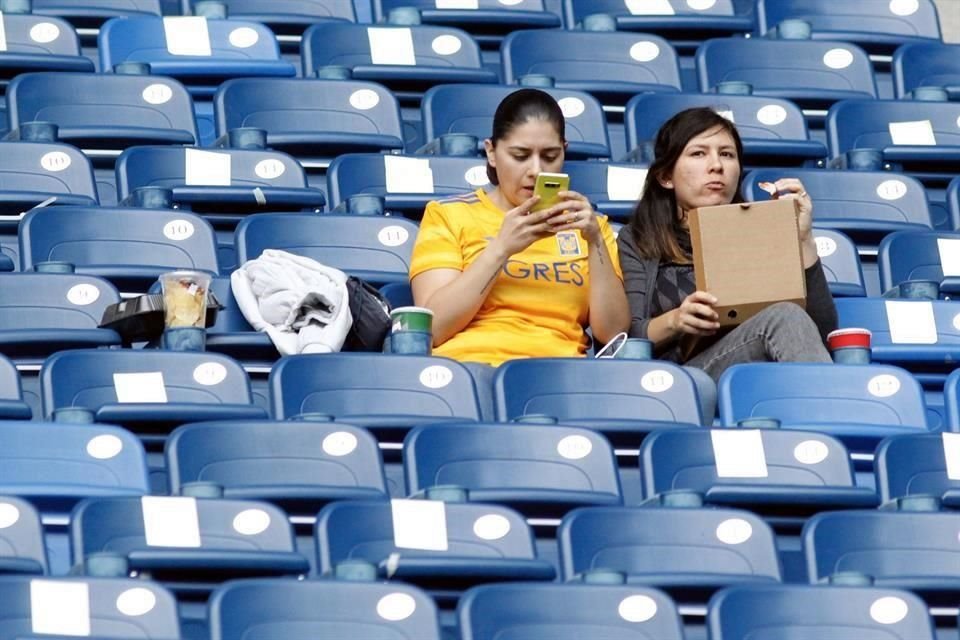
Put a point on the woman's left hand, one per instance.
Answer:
(574, 212)
(793, 188)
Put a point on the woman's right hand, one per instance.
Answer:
(695, 315)
(522, 227)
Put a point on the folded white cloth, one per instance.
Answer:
(300, 303)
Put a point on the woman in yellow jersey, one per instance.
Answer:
(504, 282)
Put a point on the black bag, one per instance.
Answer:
(371, 317)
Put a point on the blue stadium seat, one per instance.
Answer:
(900, 549)
(38, 43)
(22, 549)
(841, 264)
(374, 248)
(613, 67)
(297, 465)
(321, 609)
(222, 182)
(488, 20)
(685, 24)
(312, 120)
(866, 205)
(566, 612)
(91, 13)
(41, 313)
(12, 406)
(801, 611)
(213, 51)
(858, 404)
(953, 203)
(917, 465)
(55, 465)
(143, 109)
(878, 27)
(406, 59)
(802, 472)
(917, 137)
(773, 130)
(232, 334)
(380, 392)
(149, 391)
(951, 396)
(115, 609)
(612, 188)
(189, 544)
(389, 177)
(287, 17)
(473, 543)
(917, 255)
(688, 552)
(469, 109)
(129, 247)
(624, 399)
(544, 470)
(32, 172)
(926, 65)
(820, 72)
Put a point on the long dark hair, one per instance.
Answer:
(654, 222)
(519, 107)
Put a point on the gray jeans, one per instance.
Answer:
(782, 332)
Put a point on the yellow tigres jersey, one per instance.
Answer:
(538, 306)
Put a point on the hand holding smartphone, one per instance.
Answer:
(548, 186)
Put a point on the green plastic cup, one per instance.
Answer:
(411, 319)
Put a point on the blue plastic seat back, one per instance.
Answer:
(31, 172)
(513, 463)
(312, 117)
(688, 459)
(567, 612)
(804, 612)
(489, 16)
(864, 204)
(130, 247)
(684, 20)
(43, 312)
(669, 547)
(375, 248)
(573, 389)
(469, 109)
(101, 380)
(914, 255)
(143, 109)
(90, 13)
(116, 608)
(841, 263)
(230, 173)
(146, 530)
(889, 342)
(951, 394)
(953, 203)
(821, 72)
(38, 43)
(771, 128)
(284, 13)
(321, 609)
(866, 124)
(369, 384)
(926, 65)
(236, 49)
(12, 406)
(612, 188)
(611, 66)
(911, 465)
(365, 530)
(367, 173)
(859, 21)
(452, 58)
(69, 462)
(910, 549)
(809, 394)
(282, 461)
(22, 548)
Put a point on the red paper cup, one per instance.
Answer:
(843, 338)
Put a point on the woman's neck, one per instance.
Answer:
(496, 197)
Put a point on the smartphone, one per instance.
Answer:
(547, 187)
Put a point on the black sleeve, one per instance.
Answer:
(820, 305)
(635, 278)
